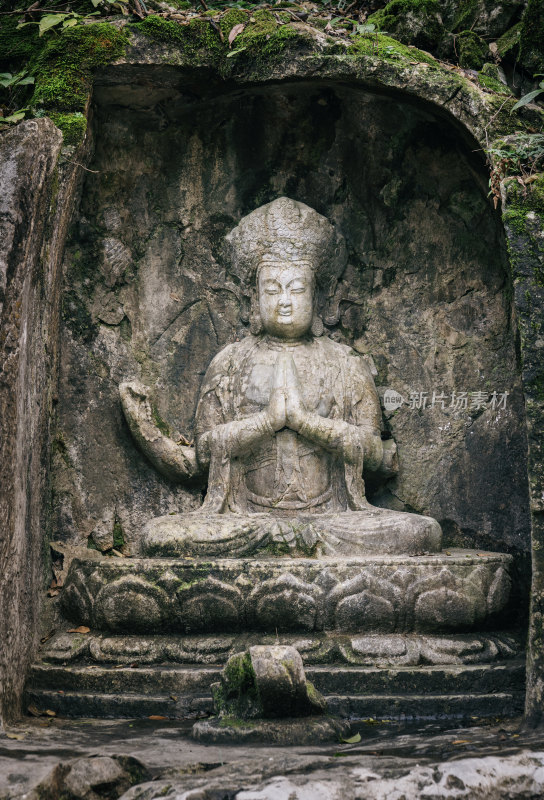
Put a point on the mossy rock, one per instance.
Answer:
(237, 696)
(64, 67)
(388, 49)
(524, 199)
(415, 22)
(489, 78)
(508, 44)
(73, 126)
(487, 18)
(471, 49)
(531, 40)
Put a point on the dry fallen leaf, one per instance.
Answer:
(174, 697)
(461, 741)
(156, 716)
(17, 736)
(50, 713)
(81, 629)
(44, 639)
(235, 31)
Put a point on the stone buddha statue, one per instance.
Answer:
(288, 421)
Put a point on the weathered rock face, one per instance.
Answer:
(35, 205)
(149, 295)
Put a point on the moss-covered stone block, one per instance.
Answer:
(472, 50)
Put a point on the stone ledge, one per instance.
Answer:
(381, 650)
(330, 680)
(428, 593)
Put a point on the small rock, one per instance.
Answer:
(93, 778)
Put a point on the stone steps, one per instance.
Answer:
(176, 691)
(395, 707)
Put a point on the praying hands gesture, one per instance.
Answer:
(286, 407)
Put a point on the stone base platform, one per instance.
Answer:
(457, 590)
(383, 676)
(183, 692)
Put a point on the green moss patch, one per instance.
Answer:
(388, 49)
(472, 50)
(198, 41)
(73, 126)
(509, 41)
(64, 67)
(237, 695)
(489, 79)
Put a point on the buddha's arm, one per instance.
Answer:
(223, 437)
(353, 439)
(234, 438)
(338, 436)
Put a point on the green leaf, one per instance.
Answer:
(25, 81)
(368, 28)
(13, 118)
(235, 52)
(69, 23)
(352, 739)
(527, 99)
(96, 3)
(50, 20)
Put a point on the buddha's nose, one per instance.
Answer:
(285, 300)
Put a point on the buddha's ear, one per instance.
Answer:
(255, 321)
(317, 328)
(253, 315)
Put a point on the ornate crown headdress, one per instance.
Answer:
(286, 230)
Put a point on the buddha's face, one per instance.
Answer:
(286, 299)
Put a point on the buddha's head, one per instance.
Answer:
(285, 294)
(283, 253)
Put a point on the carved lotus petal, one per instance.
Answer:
(131, 603)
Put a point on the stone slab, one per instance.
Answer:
(272, 732)
(415, 707)
(445, 592)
